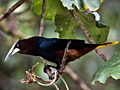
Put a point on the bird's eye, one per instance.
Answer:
(17, 45)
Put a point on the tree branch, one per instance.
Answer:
(42, 18)
(64, 58)
(41, 33)
(48, 83)
(32, 78)
(10, 10)
(6, 14)
(64, 82)
(87, 34)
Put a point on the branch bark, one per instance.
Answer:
(42, 18)
(64, 58)
(10, 10)
(32, 78)
(87, 34)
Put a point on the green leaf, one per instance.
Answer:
(97, 30)
(52, 8)
(83, 5)
(65, 23)
(107, 69)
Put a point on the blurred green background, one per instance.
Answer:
(23, 23)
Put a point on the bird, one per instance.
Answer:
(52, 49)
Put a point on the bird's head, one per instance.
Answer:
(25, 46)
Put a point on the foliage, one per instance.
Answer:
(107, 69)
(53, 7)
(65, 22)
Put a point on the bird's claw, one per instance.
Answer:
(46, 67)
(50, 77)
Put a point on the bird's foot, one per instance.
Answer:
(50, 77)
(47, 67)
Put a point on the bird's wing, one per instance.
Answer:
(53, 44)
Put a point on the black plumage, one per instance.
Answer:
(52, 49)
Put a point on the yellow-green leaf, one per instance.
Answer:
(107, 69)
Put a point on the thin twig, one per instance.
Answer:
(64, 82)
(7, 13)
(10, 10)
(34, 66)
(46, 81)
(50, 82)
(87, 34)
(56, 86)
(64, 58)
(41, 33)
(42, 18)
(32, 78)
(75, 78)
(42, 79)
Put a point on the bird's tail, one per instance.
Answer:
(106, 44)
